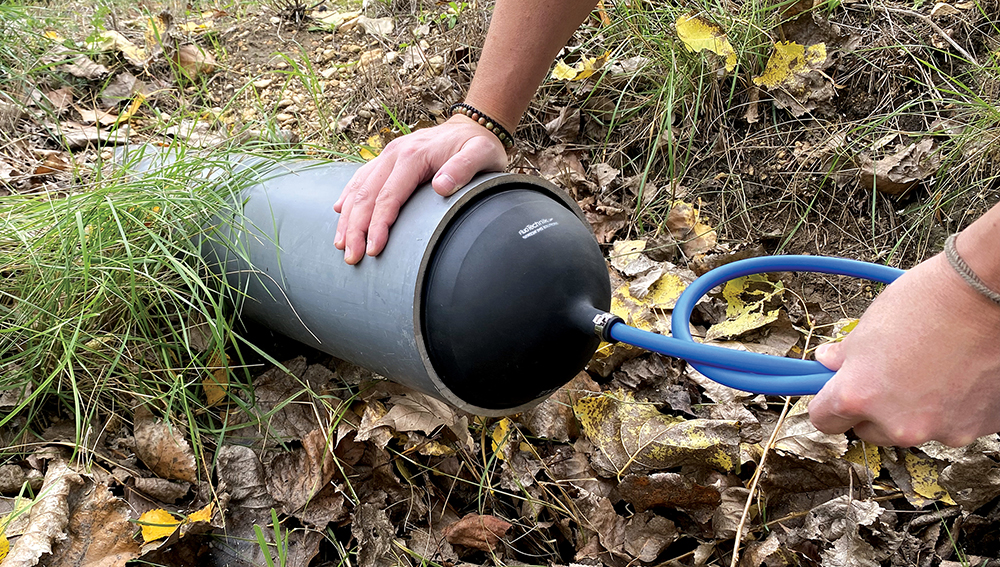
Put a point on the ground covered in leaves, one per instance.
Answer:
(639, 460)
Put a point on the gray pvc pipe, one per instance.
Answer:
(276, 247)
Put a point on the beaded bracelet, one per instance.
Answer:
(966, 272)
(492, 125)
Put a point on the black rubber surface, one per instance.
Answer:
(507, 297)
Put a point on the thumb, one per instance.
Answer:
(831, 355)
(480, 153)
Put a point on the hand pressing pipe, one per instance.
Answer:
(523, 40)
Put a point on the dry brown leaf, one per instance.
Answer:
(81, 66)
(900, 172)
(121, 89)
(76, 136)
(48, 518)
(374, 533)
(295, 478)
(284, 401)
(553, 418)
(972, 475)
(606, 226)
(61, 99)
(799, 437)
(667, 490)
(241, 478)
(686, 227)
(565, 127)
(13, 478)
(647, 535)
(163, 448)
(161, 489)
(726, 519)
(482, 532)
(55, 163)
(194, 60)
(415, 411)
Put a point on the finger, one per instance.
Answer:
(831, 411)
(872, 434)
(831, 355)
(395, 191)
(481, 153)
(361, 206)
(352, 185)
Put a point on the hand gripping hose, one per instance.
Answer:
(748, 371)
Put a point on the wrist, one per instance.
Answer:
(479, 117)
(978, 247)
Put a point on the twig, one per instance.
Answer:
(755, 480)
(927, 20)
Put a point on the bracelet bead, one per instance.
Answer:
(485, 121)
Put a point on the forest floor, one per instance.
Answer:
(138, 425)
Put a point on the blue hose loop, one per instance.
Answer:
(749, 371)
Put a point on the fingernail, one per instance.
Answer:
(338, 239)
(347, 255)
(445, 180)
(821, 349)
(369, 247)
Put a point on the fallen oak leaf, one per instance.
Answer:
(482, 532)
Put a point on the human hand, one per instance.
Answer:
(452, 153)
(923, 364)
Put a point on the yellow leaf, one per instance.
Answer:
(203, 515)
(198, 26)
(563, 72)
(924, 477)
(156, 29)
(583, 68)
(789, 60)
(698, 34)
(634, 436)
(53, 35)
(742, 316)
(132, 108)
(501, 434)
(435, 449)
(4, 546)
(591, 65)
(216, 382)
(624, 252)
(372, 149)
(157, 524)
(865, 455)
(110, 39)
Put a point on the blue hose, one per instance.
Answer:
(748, 371)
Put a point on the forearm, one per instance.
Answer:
(979, 246)
(524, 38)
